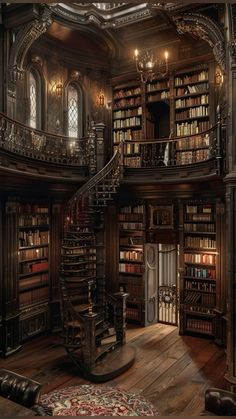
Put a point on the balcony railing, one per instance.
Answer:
(178, 151)
(25, 141)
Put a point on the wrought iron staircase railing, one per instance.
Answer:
(86, 326)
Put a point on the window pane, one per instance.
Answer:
(33, 101)
(73, 111)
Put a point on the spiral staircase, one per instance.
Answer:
(93, 321)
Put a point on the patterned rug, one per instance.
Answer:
(92, 400)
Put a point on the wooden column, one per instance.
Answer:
(120, 315)
(10, 289)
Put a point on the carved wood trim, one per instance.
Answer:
(24, 39)
(204, 28)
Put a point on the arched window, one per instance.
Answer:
(34, 87)
(74, 103)
(33, 100)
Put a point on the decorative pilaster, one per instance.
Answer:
(24, 39)
(99, 129)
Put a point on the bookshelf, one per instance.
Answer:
(131, 258)
(33, 271)
(200, 268)
(191, 102)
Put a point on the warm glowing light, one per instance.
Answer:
(136, 53)
(166, 55)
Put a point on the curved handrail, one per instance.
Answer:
(106, 170)
(175, 151)
(21, 139)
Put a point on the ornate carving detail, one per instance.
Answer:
(232, 48)
(205, 28)
(24, 39)
(233, 10)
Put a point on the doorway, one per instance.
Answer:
(161, 284)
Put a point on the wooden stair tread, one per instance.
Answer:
(113, 364)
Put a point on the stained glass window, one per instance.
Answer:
(33, 100)
(73, 111)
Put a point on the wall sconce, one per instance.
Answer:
(101, 99)
(149, 67)
(59, 89)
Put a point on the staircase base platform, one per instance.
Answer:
(113, 364)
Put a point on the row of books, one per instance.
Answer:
(192, 89)
(193, 297)
(130, 268)
(200, 285)
(131, 148)
(199, 242)
(41, 252)
(131, 226)
(165, 94)
(196, 272)
(157, 85)
(200, 217)
(189, 157)
(199, 228)
(199, 208)
(200, 325)
(191, 128)
(201, 258)
(132, 209)
(33, 220)
(32, 267)
(192, 101)
(193, 112)
(127, 113)
(203, 75)
(199, 141)
(33, 296)
(132, 255)
(33, 238)
(32, 208)
(127, 135)
(33, 281)
(127, 92)
(124, 103)
(131, 217)
(127, 123)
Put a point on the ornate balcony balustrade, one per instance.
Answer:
(28, 142)
(177, 151)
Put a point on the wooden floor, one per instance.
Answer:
(171, 371)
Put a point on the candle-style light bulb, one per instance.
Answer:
(166, 55)
(136, 53)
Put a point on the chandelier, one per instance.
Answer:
(149, 67)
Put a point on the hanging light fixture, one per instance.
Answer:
(149, 67)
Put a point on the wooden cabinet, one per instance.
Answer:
(131, 258)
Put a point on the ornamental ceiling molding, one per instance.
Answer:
(103, 20)
(204, 28)
(24, 39)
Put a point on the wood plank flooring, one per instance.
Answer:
(171, 371)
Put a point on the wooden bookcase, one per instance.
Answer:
(200, 270)
(127, 122)
(180, 105)
(131, 258)
(34, 280)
